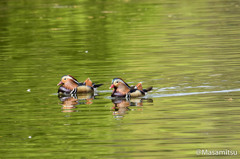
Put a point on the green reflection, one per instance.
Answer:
(177, 47)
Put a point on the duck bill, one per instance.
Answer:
(112, 86)
(60, 83)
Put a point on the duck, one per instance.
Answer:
(122, 89)
(70, 85)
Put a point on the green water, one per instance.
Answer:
(187, 50)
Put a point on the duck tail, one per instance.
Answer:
(96, 85)
(147, 89)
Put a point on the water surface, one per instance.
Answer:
(188, 51)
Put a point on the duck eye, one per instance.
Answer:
(64, 78)
(116, 81)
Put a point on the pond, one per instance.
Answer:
(187, 50)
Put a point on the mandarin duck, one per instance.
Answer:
(70, 85)
(122, 89)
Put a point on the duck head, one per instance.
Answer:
(118, 82)
(68, 82)
(120, 86)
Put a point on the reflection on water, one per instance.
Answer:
(188, 52)
(122, 105)
(69, 102)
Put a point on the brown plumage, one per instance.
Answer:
(88, 82)
(69, 84)
(122, 89)
(139, 86)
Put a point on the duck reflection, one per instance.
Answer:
(121, 106)
(69, 102)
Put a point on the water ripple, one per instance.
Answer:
(156, 95)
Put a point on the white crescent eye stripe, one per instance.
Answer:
(70, 78)
(119, 80)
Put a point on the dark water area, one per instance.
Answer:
(187, 50)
